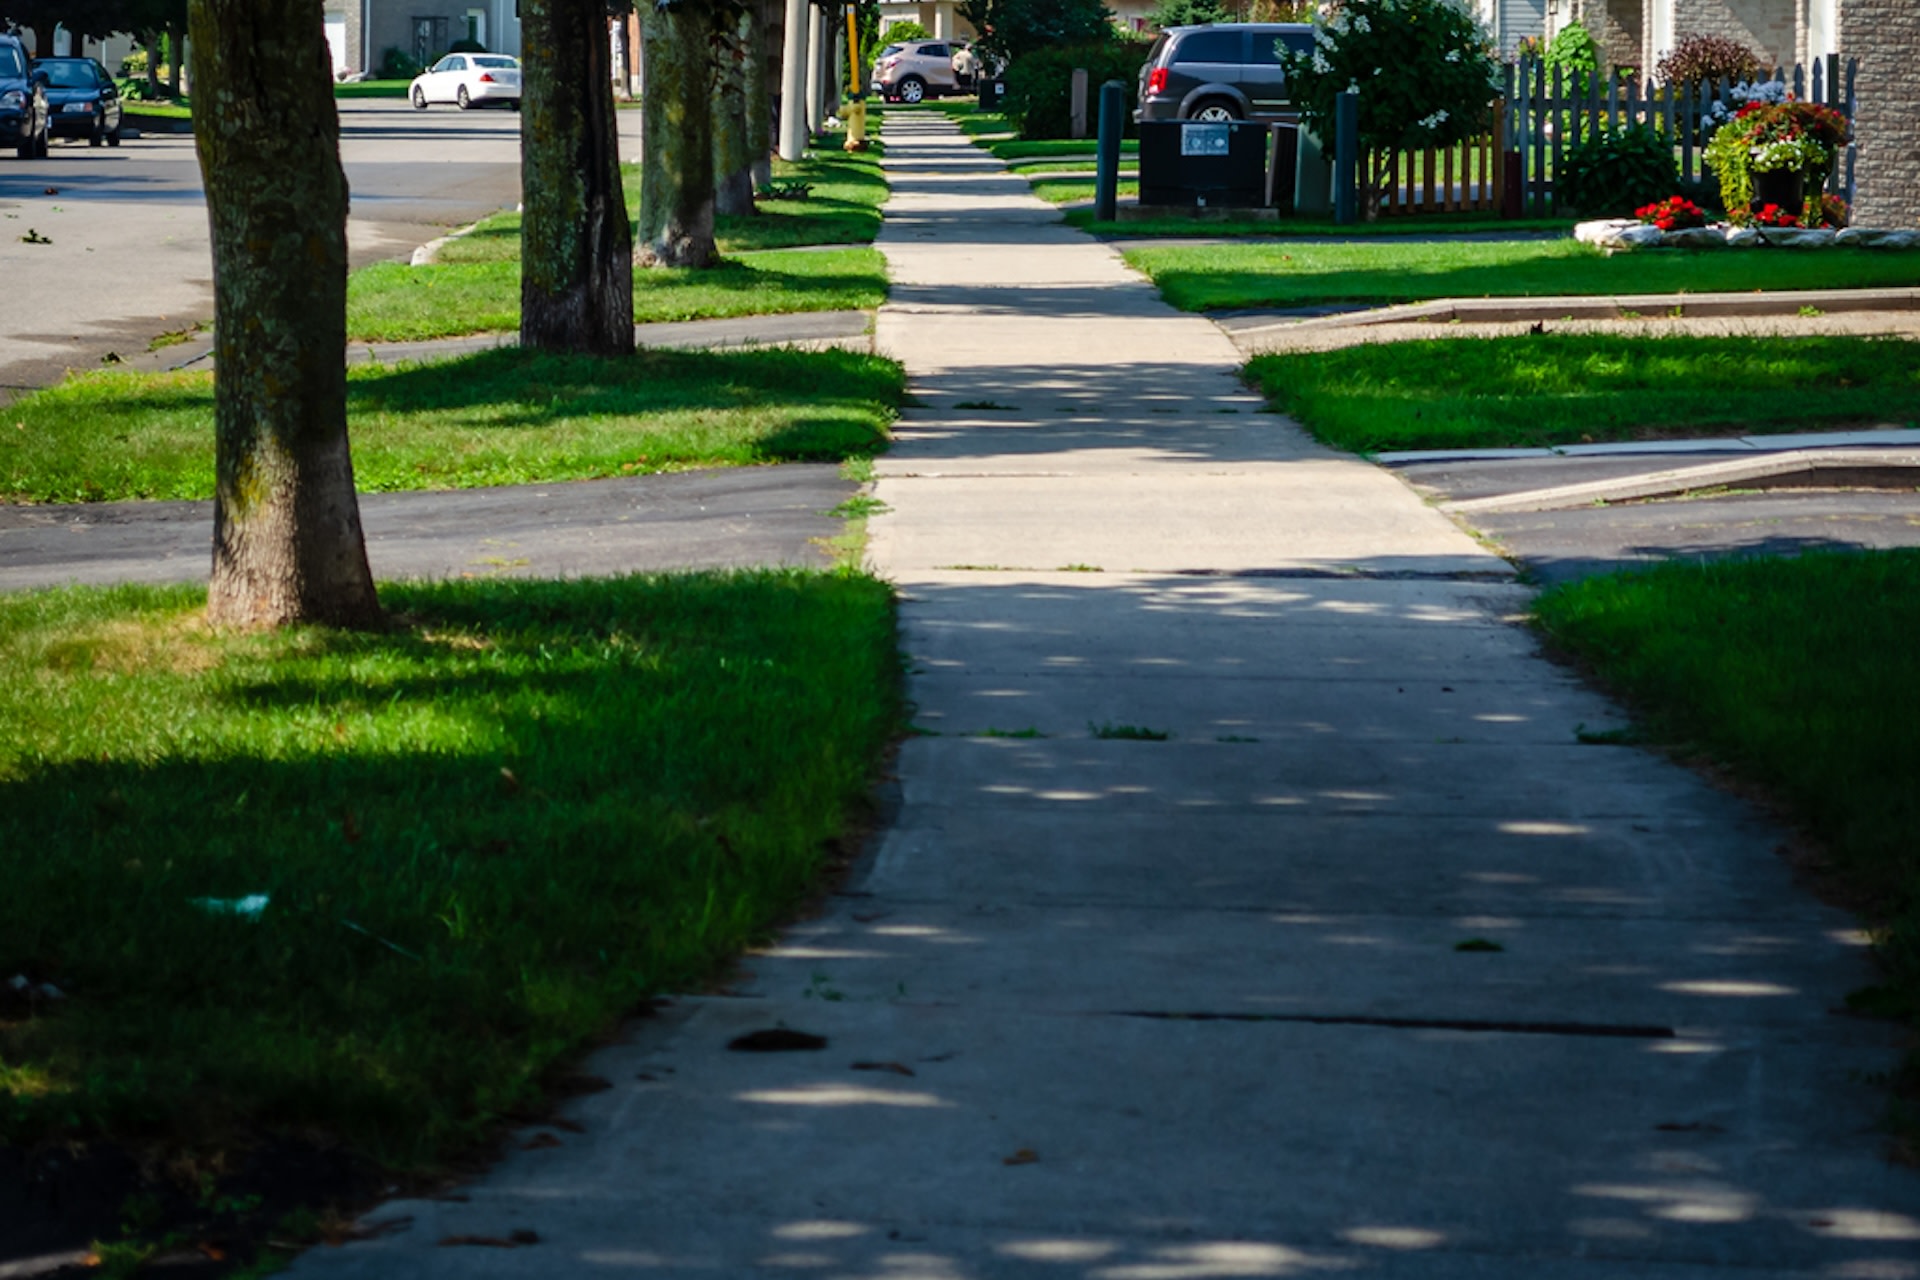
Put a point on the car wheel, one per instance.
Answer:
(45, 145)
(419, 98)
(913, 89)
(461, 97)
(1215, 109)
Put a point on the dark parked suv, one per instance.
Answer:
(82, 99)
(23, 102)
(1228, 71)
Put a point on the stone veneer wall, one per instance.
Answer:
(1770, 26)
(1885, 36)
(1616, 26)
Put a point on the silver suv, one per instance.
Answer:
(1228, 71)
(914, 71)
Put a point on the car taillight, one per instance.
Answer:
(890, 63)
(1157, 80)
(486, 77)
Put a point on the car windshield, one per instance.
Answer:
(12, 65)
(508, 63)
(69, 75)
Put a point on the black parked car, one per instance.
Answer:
(82, 100)
(23, 102)
(1227, 71)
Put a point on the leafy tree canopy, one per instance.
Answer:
(1009, 28)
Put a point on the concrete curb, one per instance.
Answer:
(1792, 468)
(1693, 306)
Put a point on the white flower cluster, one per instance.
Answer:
(1453, 55)
(1434, 121)
(1320, 63)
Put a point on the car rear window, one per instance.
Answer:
(12, 65)
(1159, 47)
(508, 63)
(1209, 46)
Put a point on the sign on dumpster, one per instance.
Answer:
(1203, 139)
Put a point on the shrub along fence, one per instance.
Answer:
(1544, 110)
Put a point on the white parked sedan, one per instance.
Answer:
(468, 79)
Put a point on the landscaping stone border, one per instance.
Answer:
(1624, 235)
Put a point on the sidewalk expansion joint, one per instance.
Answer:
(1612, 1030)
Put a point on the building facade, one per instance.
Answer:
(1885, 36)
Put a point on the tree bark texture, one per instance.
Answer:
(732, 149)
(576, 246)
(287, 542)
(676, 170)
(761, 55)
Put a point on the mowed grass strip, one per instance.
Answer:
(1787, 672)
(1236, 276)
(483, 837)
(1553, 389)
(393, 302)
(497, 417)
(473, 286)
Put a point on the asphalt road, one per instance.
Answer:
(129, 256)
(691, 520)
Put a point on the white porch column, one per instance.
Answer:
(943, 20)
(793, 83)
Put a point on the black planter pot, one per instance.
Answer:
(1784, 187)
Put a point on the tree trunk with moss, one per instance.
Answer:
(287, 542)
(676, 158)
(732, 134)
(576, 246)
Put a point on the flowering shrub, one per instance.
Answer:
(1827, 211)
(1675, 213)
(1772, 215)
(1765, 136)
(1424, 70)
(1700, 57)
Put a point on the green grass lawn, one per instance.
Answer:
(1073, 190)
(474, 286)
(498, 417)
(1014, 150)
(372, 89)
(179, 109)
(1550, 389)
(392, 302)
(1190, 228)
(1787, 672)
(1225, 277)
(483, 837)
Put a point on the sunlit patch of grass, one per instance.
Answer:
(497, 417)
(392, 302)
(483, 836)
(1552, 389)
(1232, 276)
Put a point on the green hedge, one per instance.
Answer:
(1039, 101)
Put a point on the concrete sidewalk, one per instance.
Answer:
(1158, 970)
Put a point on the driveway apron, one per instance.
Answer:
(1249, 907)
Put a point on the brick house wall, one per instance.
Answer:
(1885, 36)
(1618, 27)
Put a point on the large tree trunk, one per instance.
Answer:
(760, 96)
(287, 544)
(151, 39)
(676, 158)
(732, 130)
(576, 245)
(176, 58)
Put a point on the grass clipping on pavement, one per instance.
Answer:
(1557, 389)
(1793, 674)
(499, 417)
(372, 886)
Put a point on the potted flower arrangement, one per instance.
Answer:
(1772, 153)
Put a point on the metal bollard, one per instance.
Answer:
(1106, 182)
